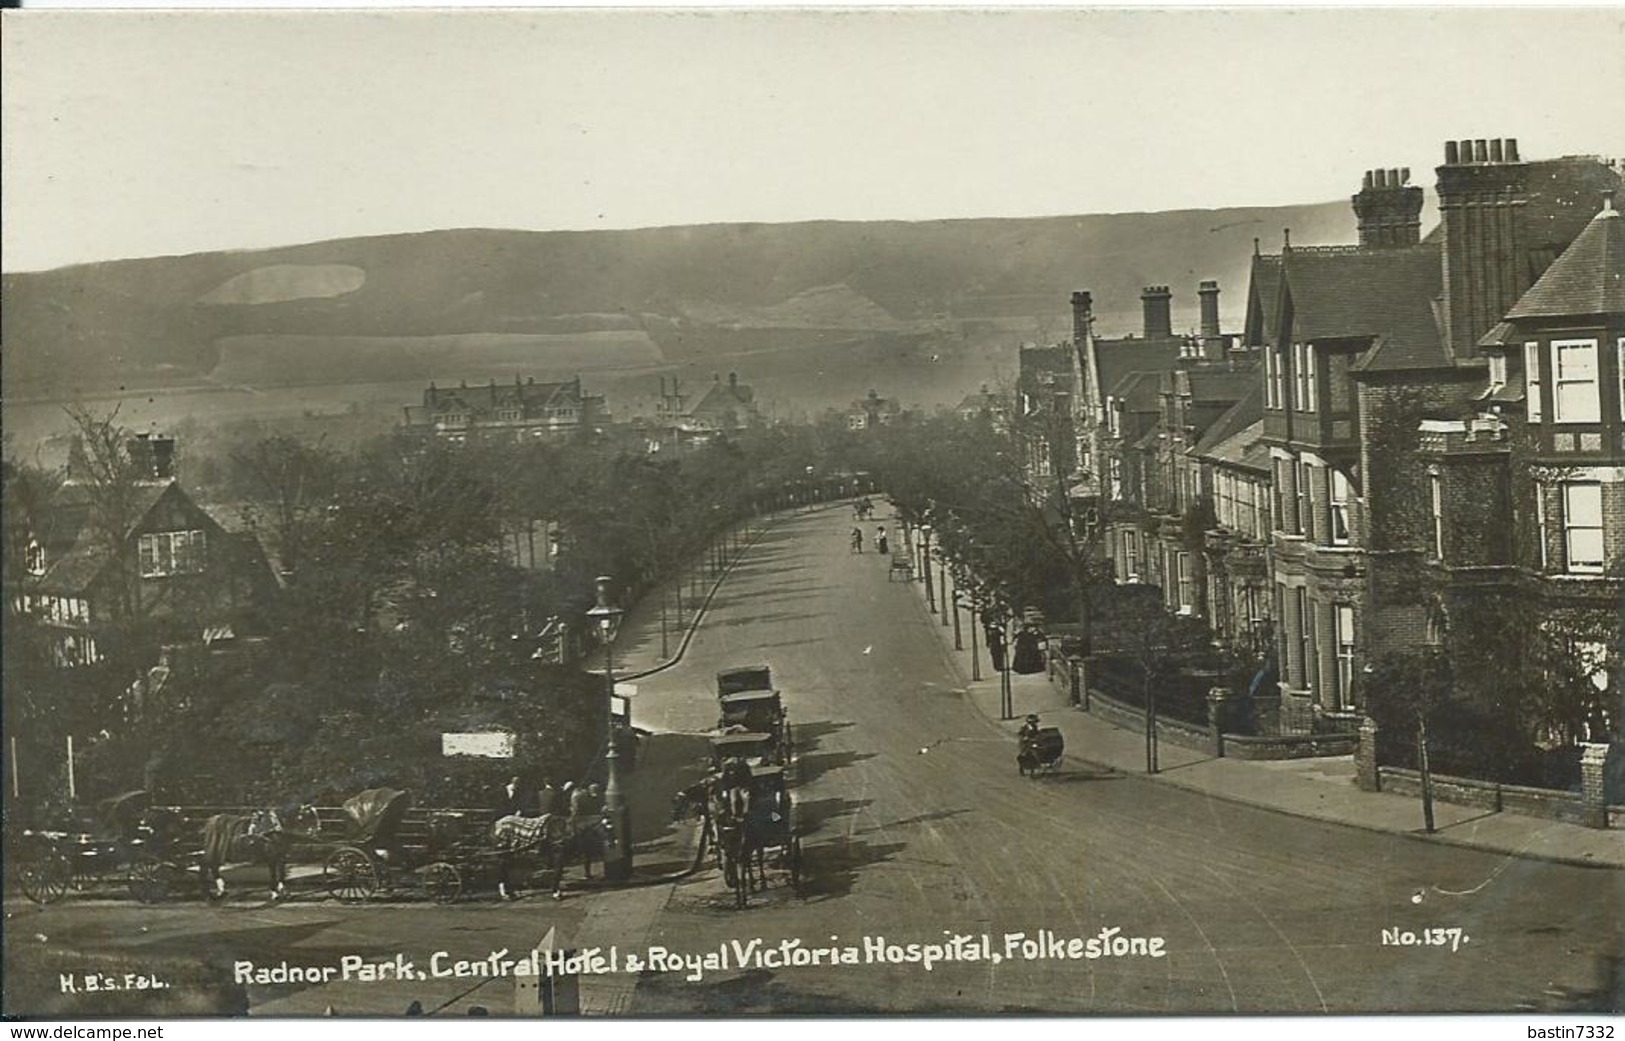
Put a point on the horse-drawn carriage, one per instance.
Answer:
(1040, 751)
(753, 823)
(370, 853)
(128, 842)
(749, 704)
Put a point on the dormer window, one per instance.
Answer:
(1498, 370)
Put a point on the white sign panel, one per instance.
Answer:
(490, 745)
(626, 690)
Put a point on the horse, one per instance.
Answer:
(261, 837)
(555, 837)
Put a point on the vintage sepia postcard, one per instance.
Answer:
(814, 512)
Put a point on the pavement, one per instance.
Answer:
(1322, 789)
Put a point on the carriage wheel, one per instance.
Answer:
(442, 882)
(149, 880)
(794, 858)
(350, 875)
(46, 879)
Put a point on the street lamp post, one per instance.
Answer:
(942, 583)
(959, 584)
(618, 860)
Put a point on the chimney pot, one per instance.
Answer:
(1481, 150)
(1451, 155)
(1367, 182)
(1404, 175)
(1512, 149)
(1495, 150)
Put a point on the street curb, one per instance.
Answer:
(1436, 839)
(773, 519)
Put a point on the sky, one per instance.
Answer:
(141, 133)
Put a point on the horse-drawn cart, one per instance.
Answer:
(370, 852)
(754, 822)
(128, 842)
(757, 712)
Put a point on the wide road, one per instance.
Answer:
(917, 829)
(917, 825)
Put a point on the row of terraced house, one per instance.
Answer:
(1407, 434)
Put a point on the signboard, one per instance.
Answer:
(626, 690)
(495, 744)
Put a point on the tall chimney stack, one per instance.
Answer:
(1159, 321)
(1388, 210)
(1208, 291)
(1483, 193)
(1083, 312)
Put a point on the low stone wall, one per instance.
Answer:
(1291, 746)
(1546, 803)
(1130, 718)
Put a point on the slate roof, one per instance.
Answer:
(74, 554)
(1263, 299)
(1220, 384)
(483, 400)
(1238, 417)
(1587, 279)
(1242, 449)
(1138, 391)
(724, 397)
(1115, 359)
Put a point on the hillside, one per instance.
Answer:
(433, 303)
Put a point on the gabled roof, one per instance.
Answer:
(79, 559)
(983, 399)
(1138, 391)
(1242, 449)
(1263, 300)
(1587, 279)
(724, 397)
(479, 399)
(1116, 359)
(1238, 417)
(1346, 292)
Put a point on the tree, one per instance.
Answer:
(291, 483)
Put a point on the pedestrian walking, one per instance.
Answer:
(881, 545)
(995, 644)
(857, 540)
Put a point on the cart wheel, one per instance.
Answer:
(149, 880)
(350, 875)
(46, 879)
(442, 882)
(795, 865)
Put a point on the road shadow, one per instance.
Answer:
(1104, 773)
(831, 869)
(815, 814)
(811, 767)
(925, 818)
(760, 619)
(807, 734)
